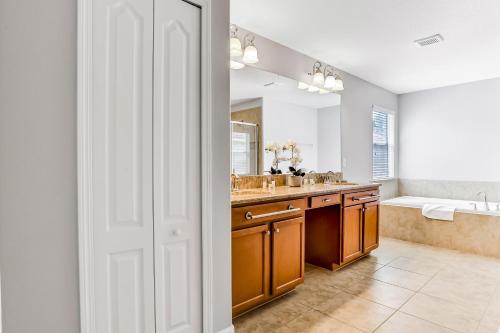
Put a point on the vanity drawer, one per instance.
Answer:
(324, 200)
(356, 198)
(254, 214)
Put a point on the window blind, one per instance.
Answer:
(383, 145)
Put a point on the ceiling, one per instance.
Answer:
(249, 83)
(374, 39)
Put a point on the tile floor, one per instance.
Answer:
(401, 287)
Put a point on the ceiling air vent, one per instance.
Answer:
(429, 40)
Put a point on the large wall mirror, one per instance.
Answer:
(276, 123)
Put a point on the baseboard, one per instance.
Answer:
(229, 329)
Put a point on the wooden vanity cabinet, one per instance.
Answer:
(268, 253)
(360, 227)
(287, 255)
(352, 233)
(251, 257)
(370, 226)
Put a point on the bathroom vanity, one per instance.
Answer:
(274, 233)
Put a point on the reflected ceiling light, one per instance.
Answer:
(302, 85)
(235, 43)
(313, 89)
(318, 76)
(323, 91)
(236, 65)
(250, 55)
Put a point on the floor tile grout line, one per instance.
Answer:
(410, 298)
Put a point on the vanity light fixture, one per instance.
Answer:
(235, 43)
(329, 78)
(318, 76)
(339, 84)
(236, 65)
(250, 54)
(302, 86)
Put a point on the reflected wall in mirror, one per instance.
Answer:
(268, 110)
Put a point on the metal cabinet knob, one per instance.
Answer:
(176, 232)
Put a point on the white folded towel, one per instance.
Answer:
(438, 212)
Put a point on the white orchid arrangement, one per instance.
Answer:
(276, 149)
(295, 158)
(294, 149)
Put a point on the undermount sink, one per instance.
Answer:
(250, 191)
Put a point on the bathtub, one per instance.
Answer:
(474, 229)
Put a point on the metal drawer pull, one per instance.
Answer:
(365, 198)
(249, 216)
(327, 200)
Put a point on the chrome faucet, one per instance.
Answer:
(235, 181)
(486, 207)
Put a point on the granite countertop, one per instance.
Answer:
(258, 195)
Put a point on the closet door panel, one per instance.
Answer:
(122, 49)
(177, 166)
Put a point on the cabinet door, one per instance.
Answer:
(370, 226)
(177, 166)
(352, 233)
(288, 254)
(251, 265)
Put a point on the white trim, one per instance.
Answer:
(84, 164)
(229, 329)
(382, 109)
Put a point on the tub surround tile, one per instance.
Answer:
(472, 233)
(462, 190)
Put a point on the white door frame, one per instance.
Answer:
(84, 140)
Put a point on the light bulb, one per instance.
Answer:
(250, 55)
(302, 85)
(330, 82)
(236, 65)
(235, 47)
(313, 89)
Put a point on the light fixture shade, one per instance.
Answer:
(339, 85)
(250, 55)
(323, 91)
(235, 47)
(318, 78)
(313, 89)
(302, 85)
(330, 82)
(236, 65)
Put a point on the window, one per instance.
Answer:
(383, 143)
(241, 153)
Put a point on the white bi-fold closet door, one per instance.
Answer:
(146, 166)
